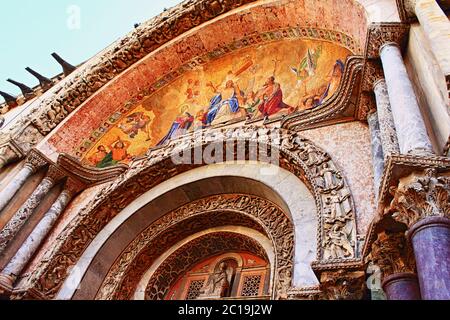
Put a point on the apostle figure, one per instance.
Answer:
(272, 98)
(99, 155)
(117, 154)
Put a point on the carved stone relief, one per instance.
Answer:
(419, 196)
(392, 254)
(336, 235)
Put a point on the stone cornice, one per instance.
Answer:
(90, 176)
(79, 176)
(379, 34)
(398, 166)
(340, 107)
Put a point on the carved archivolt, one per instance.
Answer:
(336, 235)
(221, 210)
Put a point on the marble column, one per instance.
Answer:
(35, 239)
(18, 181)
(430, 238)
(377, 150)
(402, 286)
(411, 131)
(388, 134)
(436, 26)
(10, 230)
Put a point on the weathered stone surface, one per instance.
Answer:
(388, 133)
(431, 241)
(402, 286)
(411, 131)
(377, 150)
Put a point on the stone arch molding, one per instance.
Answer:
(220, 210)
(336, 236)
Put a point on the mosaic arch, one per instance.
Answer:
(249, 254)
(254, 80)
(207, 213)
(246, 275)
(336, 234)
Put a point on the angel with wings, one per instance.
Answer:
(308, 65)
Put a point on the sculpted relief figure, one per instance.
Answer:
(337, 244)
(340, 208)
(329, 179)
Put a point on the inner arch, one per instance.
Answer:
(284, 189)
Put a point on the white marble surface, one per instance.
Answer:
(34, 240)
(14, 185)
(411, 131)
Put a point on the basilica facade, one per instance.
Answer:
(237, 149)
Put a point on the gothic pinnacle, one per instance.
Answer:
(46, 83)
(9, 99)
(26, 91)
(67, 67)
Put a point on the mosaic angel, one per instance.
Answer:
(308, 65)
(134, 123)
(330, 83)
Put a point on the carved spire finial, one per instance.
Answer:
(9, 99)
(27, 92)
(67, 67)
(45, 83)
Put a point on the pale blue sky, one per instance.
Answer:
(30, 30)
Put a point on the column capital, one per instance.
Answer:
(372, 73)
(55, 173)
(35, 160)
(420, 195)
(381, 34)
(74, 186)
(392, 253)
(9, 153)
(342, 285)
